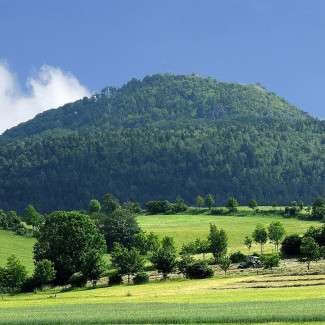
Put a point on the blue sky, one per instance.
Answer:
(278, 43)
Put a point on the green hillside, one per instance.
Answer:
(160, 137)
(20, 246)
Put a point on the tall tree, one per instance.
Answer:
(127, 261)
(218, 242)
(309, 251)
(164, 259)
(110, 203)
(200, 201)
(276, 233)
(232, 204)
(209, 200)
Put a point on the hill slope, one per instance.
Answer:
(165, 136)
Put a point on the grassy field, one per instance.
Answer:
(22, 247)
(287, 296)
(249, 299)
(185, 228)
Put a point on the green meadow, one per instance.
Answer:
(22, 247)
(185, 228)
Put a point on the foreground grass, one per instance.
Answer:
(185, 228)
(210, 301)
(22, 247)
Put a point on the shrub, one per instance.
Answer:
(291, 211)
(237, 257)
(196, 269)
(218, 211)
(141, 278)
(270, 260)
(77, 280)
(29, 285)
(115, 278)
(291, 246)
(156, 207)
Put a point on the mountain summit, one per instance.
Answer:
(160, 137)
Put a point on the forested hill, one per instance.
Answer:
(164, 136)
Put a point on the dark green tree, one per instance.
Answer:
(127, 261)
(232, 204)
(309, 251)
(290, 246)
(110, 203)
(12, 276)
(44, 272)
(209, 200)
(92, 266)
(164, 258)
(120, 227)
(64, 239)
(252, 204)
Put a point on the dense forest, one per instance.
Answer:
(161, 137)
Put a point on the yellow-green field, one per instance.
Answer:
(249, 299)
(185, 228)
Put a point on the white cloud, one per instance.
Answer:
(50, 88)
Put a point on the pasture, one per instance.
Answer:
(185, 228)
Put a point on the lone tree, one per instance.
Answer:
(65, 239)
(210, 200)
(309, 251)
(224, 263)
(252, 204)
(218, 242)
(232, 204)
(276, 233)
(199, 201)
(164, 259)
(248, 243)
(260, 236)
(127, 261)
(120, 227)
